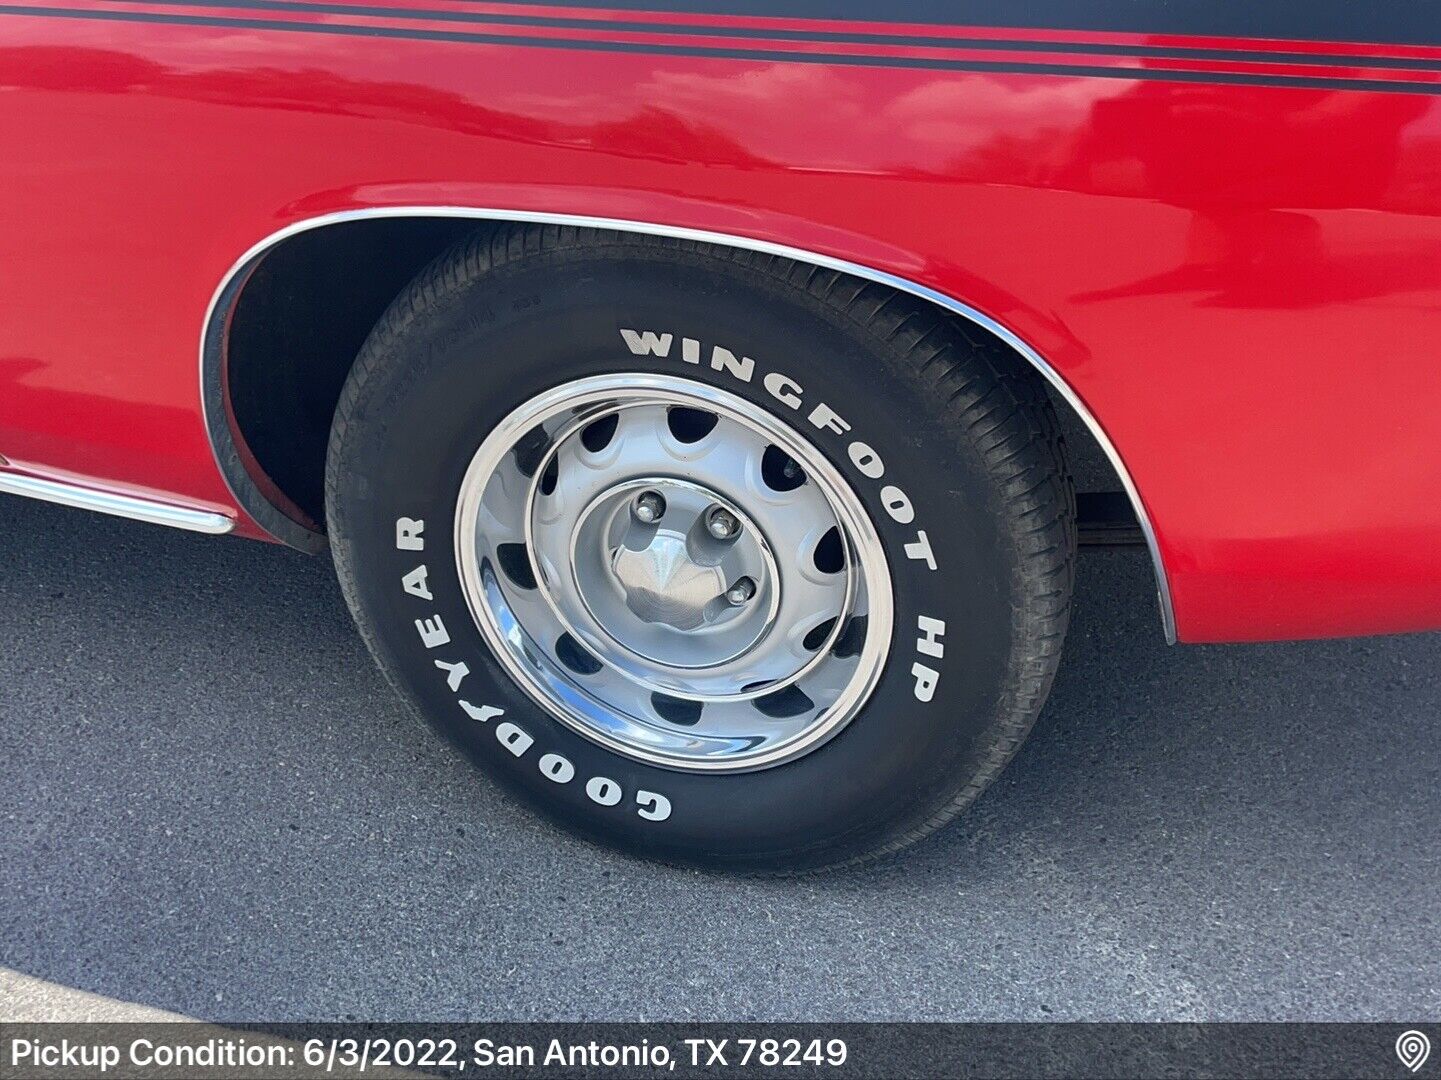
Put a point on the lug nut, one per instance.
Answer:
(649, 507)
(722, 524)
(739, 594)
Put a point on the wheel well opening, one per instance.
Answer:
(301, 317)
(303, 311)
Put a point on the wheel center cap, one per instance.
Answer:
(654, 579)
(663, 584)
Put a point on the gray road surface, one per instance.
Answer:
(210, 805)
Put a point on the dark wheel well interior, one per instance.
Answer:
(305, 309)
(299, 322)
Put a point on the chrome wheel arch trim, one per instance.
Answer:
(285, 529)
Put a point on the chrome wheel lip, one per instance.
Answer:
(507, 639)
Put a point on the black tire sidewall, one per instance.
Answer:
(429, 389)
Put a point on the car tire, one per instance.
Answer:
(521, 595)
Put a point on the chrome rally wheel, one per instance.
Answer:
(711, 556)
(673, 574)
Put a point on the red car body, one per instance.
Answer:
(1220, 237)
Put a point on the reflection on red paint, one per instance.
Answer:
(1240, 281)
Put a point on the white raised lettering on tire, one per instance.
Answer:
(417, 583)
(928, 644)
(455, 673)
(408, 534)
(865, 458)
(554, 767)
(481, 714)
(558, 769)
(433, 632)
(603, 790)
(653, 807)
(513, 738)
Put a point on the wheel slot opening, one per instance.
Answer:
(514, 562)
(676, 710)
(690, 425)
(818, 634)
(780, 471)
(596, 436)
(852, 638)
(549, 477)
(830, 553)
(573, 655)
(530, 451)
(792, 701)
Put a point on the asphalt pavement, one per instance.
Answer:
(211, 805)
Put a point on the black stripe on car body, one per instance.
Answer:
(900, 36)
(727, 53)
(1395, 22)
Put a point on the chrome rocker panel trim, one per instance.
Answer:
(109, 502)
(218, 312)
